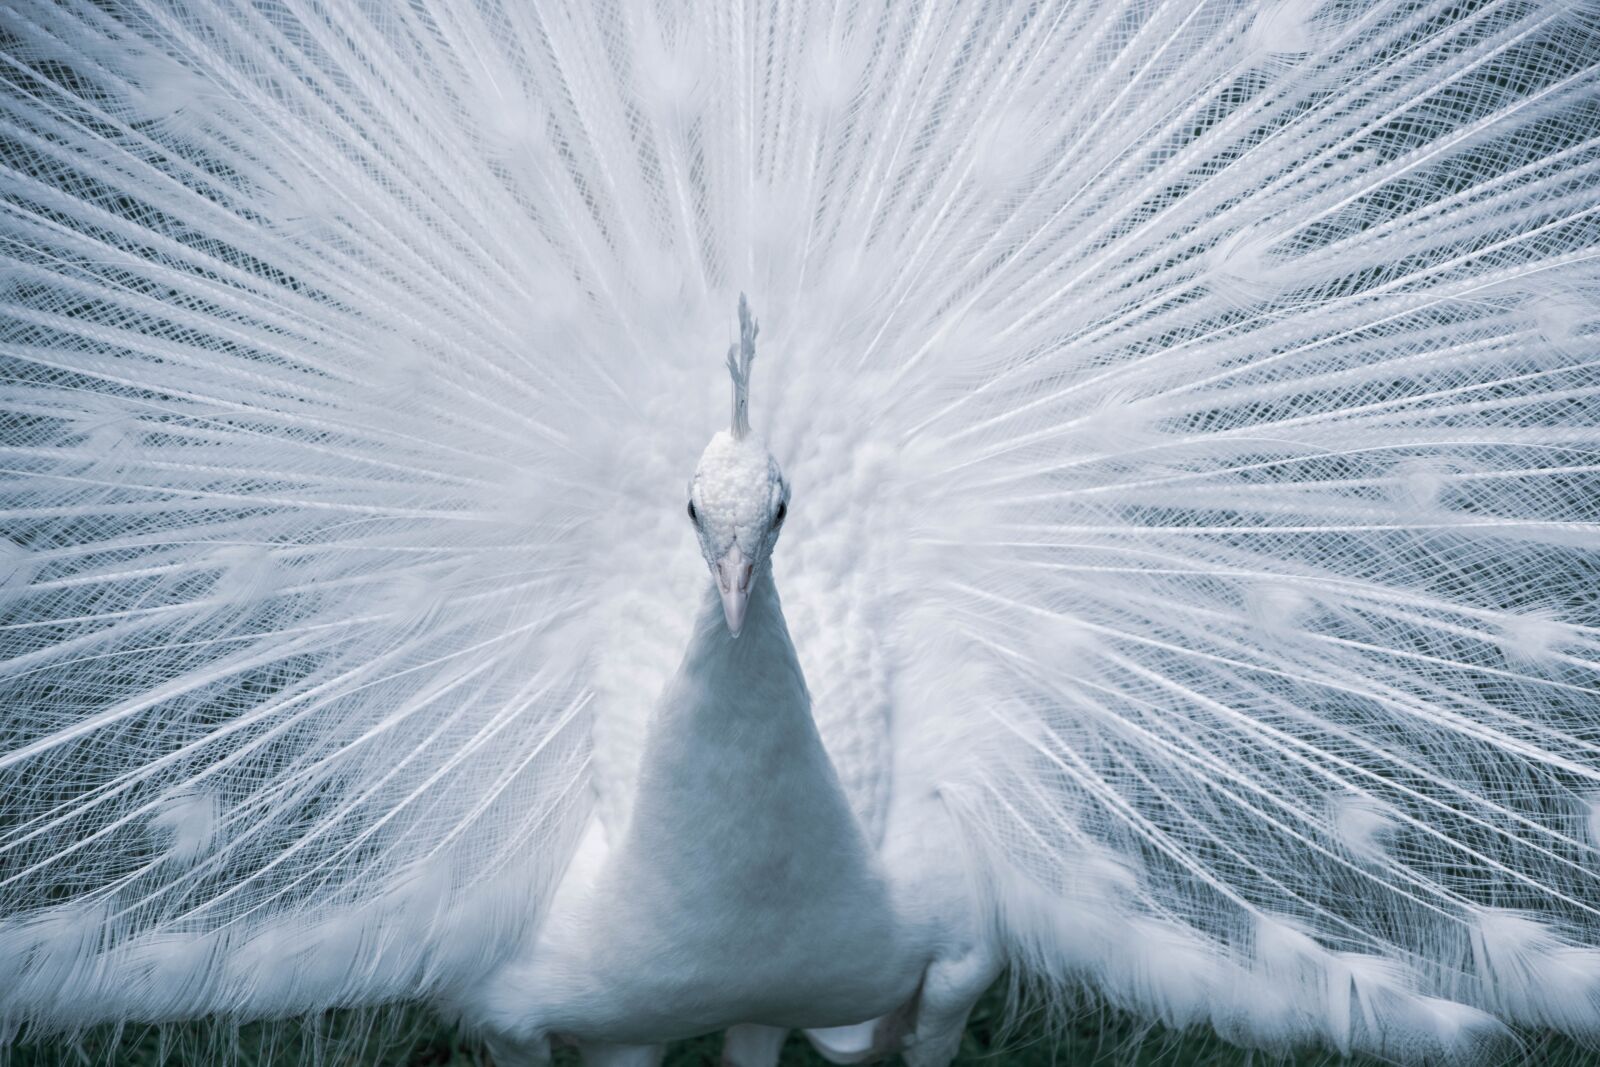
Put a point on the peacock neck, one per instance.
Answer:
(744, 889)
(756, 673)
(742, 698)
(738, 808)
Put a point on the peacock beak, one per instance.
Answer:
(733, 581)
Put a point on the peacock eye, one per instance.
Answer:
(693, 515)
(783, 510)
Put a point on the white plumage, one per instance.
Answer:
(1190, 412)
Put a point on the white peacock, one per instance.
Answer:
(1191, 408)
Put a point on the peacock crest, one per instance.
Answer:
(741, 354)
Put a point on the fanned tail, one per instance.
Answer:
(1192, 410)
(293, 716)
(1276, 534)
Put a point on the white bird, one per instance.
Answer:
(741, 891)
(1188, 578)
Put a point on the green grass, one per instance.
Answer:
(413, 1037)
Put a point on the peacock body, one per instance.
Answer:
(1181, 419)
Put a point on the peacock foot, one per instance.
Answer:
(866, 1042)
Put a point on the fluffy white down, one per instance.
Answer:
(735, 488)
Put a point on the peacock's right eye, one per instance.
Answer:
(693, 517)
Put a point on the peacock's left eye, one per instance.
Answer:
(693, 516)
(783, 511)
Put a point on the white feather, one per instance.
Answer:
(1190, 412)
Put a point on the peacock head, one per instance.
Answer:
(738, 498)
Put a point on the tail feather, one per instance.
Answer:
(1192, 413)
